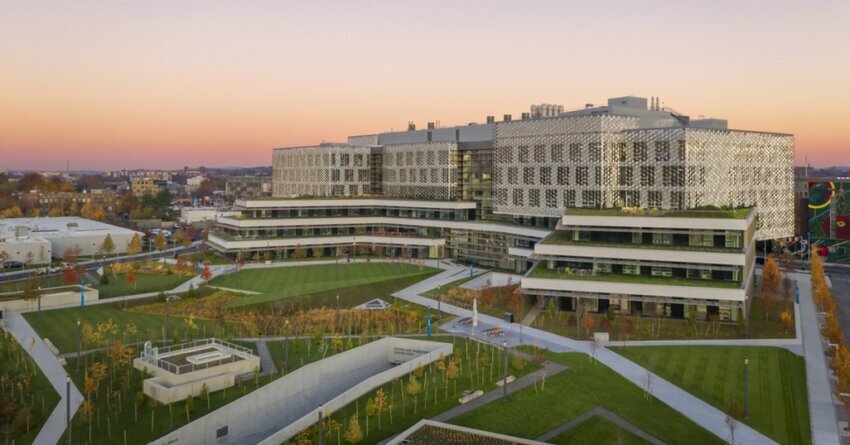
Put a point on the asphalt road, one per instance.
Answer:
(840, 277)
(94, 264)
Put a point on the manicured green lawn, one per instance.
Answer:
(404, 414)
(284, 282)
(777, 382)
(145, 283)
(27, 410)
(60, 325)
(532, 412)
(597, 431)
(353, 295)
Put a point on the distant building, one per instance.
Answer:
(192, 183)
(201, 215)
(47, 201)
(244, 187)
(140, 186)
(43, 238)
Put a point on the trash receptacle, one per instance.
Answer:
(509, 317)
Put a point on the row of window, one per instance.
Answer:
(639, 152)
(671, 176)
(554, 198)
(418, 158)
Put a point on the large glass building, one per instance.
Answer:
(500, 195)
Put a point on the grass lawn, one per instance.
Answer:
(403, 413)
(111, 420)
(117, 287)
(353, 295)
(777, 382)
(437, 291)
(27, 410)
(597, 431)
(60, 325)
(284, 282)
(532, 412)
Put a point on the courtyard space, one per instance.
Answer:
(778, 402)
(585, 385)
(285, 282)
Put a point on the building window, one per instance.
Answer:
(647, 175)
(551, 198)
(677, 200)
(631, 269)
(358, 160)
(640, 151)
(673, 176)
(335, 175)
(622, 151)
(733, 239)
(528, 175)
(546, 175)
(540, 153)
(575, 152)
(523, 153)
(590, 198)
(423, 175)
(581, 175)
(557, 153)
(513, 175)
(597, 177)
(534, 198)
(680, 150)
(343, 160)
(662, 272)
(625, 177)
(563, 176)
(601, 267)
(349, 175)
(662, 239)
(518, 198)
(701, 238)
(569, 198)
(594, 151)
(662, 151)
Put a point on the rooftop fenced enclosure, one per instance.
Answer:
(158, 357)
(291, 403)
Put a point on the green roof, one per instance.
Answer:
(713, 212)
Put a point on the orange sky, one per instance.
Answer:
(166, 84)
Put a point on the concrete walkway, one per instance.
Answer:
(549, 370)
(821, 407)
(54, 427)
(607, 415)
(705, 415)
(267, 365)
(531, 315)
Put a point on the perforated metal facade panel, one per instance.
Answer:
(421, 171)
(323, 170)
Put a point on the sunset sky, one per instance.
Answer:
(163, 84)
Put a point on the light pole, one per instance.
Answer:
(337, 313)
(286, 345)
(746, 389)
(321, 433)
(505, 369)
(78, 345)
(68, 407)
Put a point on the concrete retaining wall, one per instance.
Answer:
(281, 409)
(50, 298)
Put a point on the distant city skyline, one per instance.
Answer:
(111, 85)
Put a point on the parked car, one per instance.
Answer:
(13, 264)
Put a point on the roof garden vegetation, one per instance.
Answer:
(709, 211)
(543, 272)
(564, 238)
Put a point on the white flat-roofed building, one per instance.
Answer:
(635, 260)
(64, 232)
(200, 215)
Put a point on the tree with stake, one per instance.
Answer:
(380, 404)
(353, 434)
(160, 241)
(370, 411)
(135, 245)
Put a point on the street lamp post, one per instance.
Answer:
(68, 407)
(78, 345)
(746, 389)
(286, 345)
(165, 332)
(337, 313)
(321, 433)
(505, 369)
